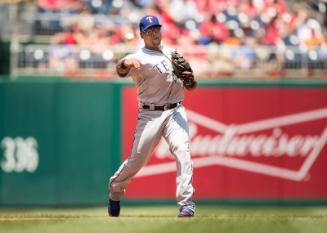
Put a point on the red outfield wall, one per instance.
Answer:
(246, 143)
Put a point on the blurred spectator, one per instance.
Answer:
(69, 6)
(142, 3)
(315, 40)
(247, 32)
(213, 31)
(62, 57)
(84, 19)
(275, 7)
(232, 40)
(305, 29)
(272, 32)
(182, 10)
(49, 14)
(99, 6)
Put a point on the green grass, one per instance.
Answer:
(163, 219)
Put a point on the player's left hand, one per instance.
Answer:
(188, 75)
(188, 80)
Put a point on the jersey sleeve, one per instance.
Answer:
(132, 70)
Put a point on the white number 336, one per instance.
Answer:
(19, 154)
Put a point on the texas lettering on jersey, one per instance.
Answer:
(163, 67)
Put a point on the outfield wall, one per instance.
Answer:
(259, 141)
(59, 141)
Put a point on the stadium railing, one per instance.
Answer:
(208, 61)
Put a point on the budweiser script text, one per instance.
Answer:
(272, 143)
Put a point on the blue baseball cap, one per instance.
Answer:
(148, 21)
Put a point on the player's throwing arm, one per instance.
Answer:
(124, 65)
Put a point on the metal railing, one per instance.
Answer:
(207, 61)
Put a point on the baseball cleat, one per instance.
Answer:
(113, 208)
(185, 212)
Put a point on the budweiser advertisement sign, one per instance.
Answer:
(245, 143)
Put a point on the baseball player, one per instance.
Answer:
(161, 114)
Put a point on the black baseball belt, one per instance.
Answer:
(153, 107)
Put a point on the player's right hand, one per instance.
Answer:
(132, 63)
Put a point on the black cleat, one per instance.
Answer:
(113, 208)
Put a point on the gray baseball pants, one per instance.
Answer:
(151, 126)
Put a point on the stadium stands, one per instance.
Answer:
(236, 38)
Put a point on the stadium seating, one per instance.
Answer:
(237, 38)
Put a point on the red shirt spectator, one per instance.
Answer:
(272, 36)
(215, 30)
(315, 40)
(279, 5)
(58, 4)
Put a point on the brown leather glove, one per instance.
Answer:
(183, 70)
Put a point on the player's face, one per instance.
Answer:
(152, 37)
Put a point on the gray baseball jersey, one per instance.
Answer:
(154, 80)
(157, 85)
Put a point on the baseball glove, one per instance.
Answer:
(183, 70)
